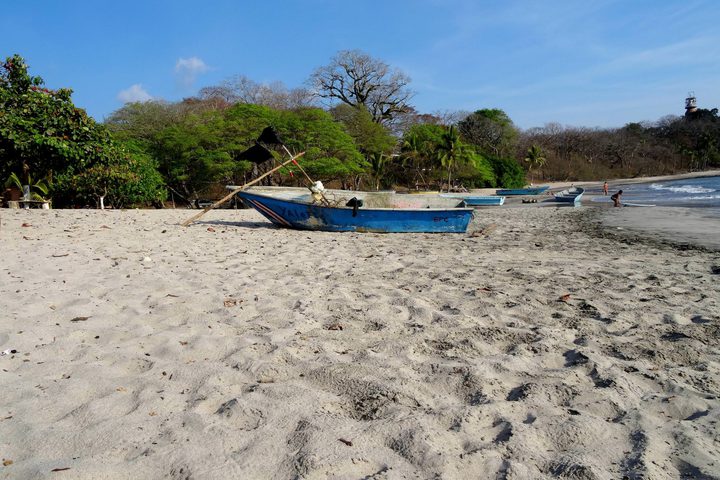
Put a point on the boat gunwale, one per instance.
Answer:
(305, 204)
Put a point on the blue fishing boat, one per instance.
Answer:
(476, 200)
(522, 191)
(571, 195)
(358, 215)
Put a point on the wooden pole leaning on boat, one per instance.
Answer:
(322, 195)
(243, 187)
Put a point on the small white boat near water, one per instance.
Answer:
(571, 195)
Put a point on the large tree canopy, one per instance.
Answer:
(198, 152)
(491, 131)
(357, 79)
(373, 140)
(370, 137)
(44, 135)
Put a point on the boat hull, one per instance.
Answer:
(570, 196)
(477, 200)
(522, 191)
(290, 213)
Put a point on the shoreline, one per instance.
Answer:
(559, 185)
(635, 180)
(679, 226)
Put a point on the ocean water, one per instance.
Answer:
(691, 193)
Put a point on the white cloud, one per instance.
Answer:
(134, 94)
(187, 70)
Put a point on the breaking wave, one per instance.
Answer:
(703, 197)
(683, 188)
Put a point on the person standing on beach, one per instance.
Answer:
(605, 188)
(616, 198)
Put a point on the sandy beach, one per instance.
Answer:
(544, 343)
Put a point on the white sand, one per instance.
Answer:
(537, 351)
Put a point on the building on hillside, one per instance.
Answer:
(690, 104)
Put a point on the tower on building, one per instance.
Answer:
(690, 103)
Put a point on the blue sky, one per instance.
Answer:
(583, 63)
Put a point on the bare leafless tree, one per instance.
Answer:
(240, 89)
(355, 78)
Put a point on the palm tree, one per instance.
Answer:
(535, 158)
(415, 154)
(379, 163)
(451, 152)
(30, 189)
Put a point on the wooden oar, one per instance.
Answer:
(229, 196)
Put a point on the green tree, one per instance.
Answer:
(33, 186)
(535, 157)
(455, 155)
(197, 152)
(476, 171)
(450, 152)
(374, 140)
(142, 121)
(508, 172)
(491, 131)
(43, 134)
(434, 151)
(418, 152)
(331, 152)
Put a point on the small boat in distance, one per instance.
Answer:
(522, 191)
(476, 200)
(570, 195)
(360, 214)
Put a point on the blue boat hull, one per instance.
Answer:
(304, 216)
(522, 191)
(477, 200)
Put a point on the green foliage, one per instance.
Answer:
(491, 131)
(432, 151)
(450, 151)
(477, 172)
(697, 137)
(123, 183)
(42, 132)
(535, 158)
(198, 150)
(373, 140)
(39, 185)
(386, 170)
(142, 121)
(508, 172)
(370, 137)
(418, 152)
(328, 143)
